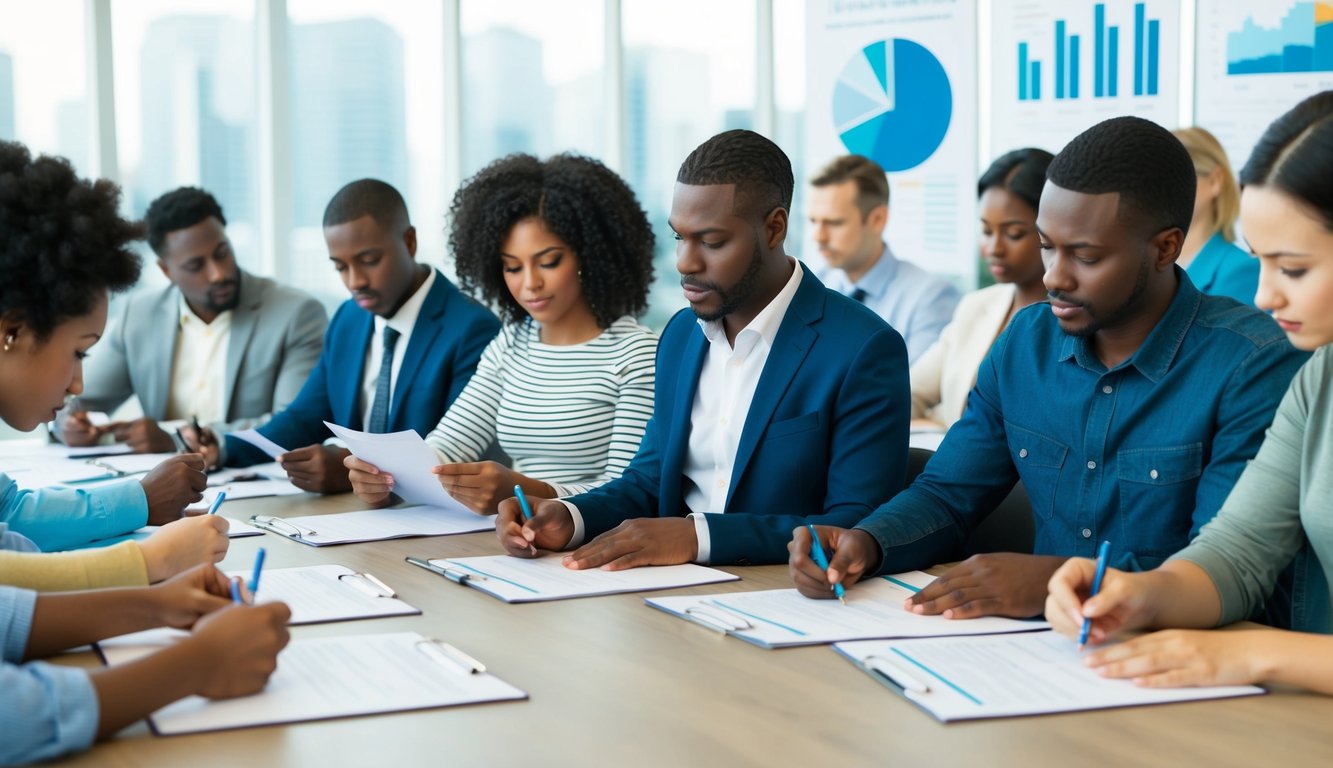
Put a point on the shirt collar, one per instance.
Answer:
(186, 315)
(765, 324)
(1154, 357)
(878, 278)
(406, 317)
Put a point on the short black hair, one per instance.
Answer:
(759, 168)
(1020, 172)
(1295, 155)
(178, 209)
(1142, 161)
(62, 240)
(582, 202)
(368, 197)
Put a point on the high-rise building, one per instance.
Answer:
(349, 112)
(72, 133)
(7, 131)
(507, 101)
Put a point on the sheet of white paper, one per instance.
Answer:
(1008, 675)
(777, 618)
(134, 463)
(89, 451)
(236, 529)
(43, 471)
(249, 489)
(405, 456)
(320, 593)
(264, 444)
(375, 525)
(328, 677)
(517, 580)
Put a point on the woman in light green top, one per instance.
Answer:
(1285, 494)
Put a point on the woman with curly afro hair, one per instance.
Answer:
(563, 250)
(63, 249)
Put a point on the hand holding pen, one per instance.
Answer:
(855, 553)
(524, 528)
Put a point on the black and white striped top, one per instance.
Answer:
(571, 416)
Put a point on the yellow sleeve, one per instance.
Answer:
(121, 565)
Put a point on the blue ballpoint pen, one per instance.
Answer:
(1103, 554)
(259, 566)
(523, 502)
(236, 591)
(821, 560)
(213, 508)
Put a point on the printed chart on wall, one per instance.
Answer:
(895, 80)
(1255, 59)
(1059, 67)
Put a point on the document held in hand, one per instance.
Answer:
(320, 678)
(406, 457)
(516, 580)
(777, 618)
(1038, 673)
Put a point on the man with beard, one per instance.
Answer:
(218, 345)
(396, 354)
(779, 402)
(1128, 404)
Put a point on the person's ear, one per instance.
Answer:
(410, 240)
(878, 218)
(775, 228)
(11, 326)
(1167, 245)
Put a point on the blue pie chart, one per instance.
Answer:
(892, 103)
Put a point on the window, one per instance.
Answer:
(185, 107)
(43, 85)
(789, 93)
(684, 82)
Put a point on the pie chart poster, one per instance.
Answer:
(895, 80)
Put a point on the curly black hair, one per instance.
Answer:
(62, 240)
(759, 168)
(179, 209)
(582, 202)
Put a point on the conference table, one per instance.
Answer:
(612, 681)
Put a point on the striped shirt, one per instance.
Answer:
(571, 416)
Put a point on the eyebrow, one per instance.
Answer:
(1280, 255)
(96, 336)
(1009, 223)
(536, 255)
(699, 233)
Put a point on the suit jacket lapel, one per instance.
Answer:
(242, 329)
(424, 333)
(691, 363)
(161, 357)
(791, 345)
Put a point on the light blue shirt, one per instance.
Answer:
(66, 518)
(1222, 269)
(46, 710)
(915, 302)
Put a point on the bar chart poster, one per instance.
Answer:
(1254, 60)
(1058, 67)
(895, 81)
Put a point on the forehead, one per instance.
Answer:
(833, 197)
(706, 206)
(1276, 222)
(354, 235)
(195, 239)
(1066, 215)
(999, 203)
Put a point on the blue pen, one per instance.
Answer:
(213, 508)
(523, 502)
(259, 566)
(236, 591)
(1103, 554)
(821, 560)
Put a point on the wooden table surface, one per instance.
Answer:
(614, 682)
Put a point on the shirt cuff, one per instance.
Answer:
(579, 530)
(703, 541)
(16, 607)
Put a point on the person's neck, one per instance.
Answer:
(854, 275)
(1200, 233)
(576, 327)
(772, 280)
(418, 280)
(1030, 293)
(206, 315)
(1113, 346)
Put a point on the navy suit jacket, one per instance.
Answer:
(446, 343)
(825, 440)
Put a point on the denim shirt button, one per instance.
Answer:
(1022, 453)
(1153, 474)
(1087, 533)
(1092, 465)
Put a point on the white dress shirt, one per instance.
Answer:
(727, 381)
(402, 321)
(199, 367)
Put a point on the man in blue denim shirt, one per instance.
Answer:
(1128, 405)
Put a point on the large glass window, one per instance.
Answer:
(365, 82)
(43, 80)
(789, 93)
(185, 105)
(684, 81)
(532, 79)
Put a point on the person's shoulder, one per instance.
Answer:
(925, 284)
(626, 332)
(1226, 317)
(983, 298)
(279, 297)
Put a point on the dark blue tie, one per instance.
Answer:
(379, 411)
(860, 295)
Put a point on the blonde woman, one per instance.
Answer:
(1210, 256)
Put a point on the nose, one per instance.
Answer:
(532, 279)
(1057, 277)
(688, 260)
(76, 383)
(215, 272)
(355, 278)
(992, 246)
(1269, 297)
(821, 233)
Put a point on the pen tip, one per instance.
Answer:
(842, 600)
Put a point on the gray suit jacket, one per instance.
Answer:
(276, 337)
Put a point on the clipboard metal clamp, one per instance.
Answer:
(281, 527)
(455, 573)
(719, 618)
(893, 673)
(369, 584)
(441, 651)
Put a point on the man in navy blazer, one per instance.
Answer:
(778, 403)
(395, 356)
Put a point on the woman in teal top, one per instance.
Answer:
(1285, 494)
(1210, 257)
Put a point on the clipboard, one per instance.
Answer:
(373, 525)
(319, 594)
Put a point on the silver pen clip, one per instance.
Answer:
(895, 674)
(281, 527)
(719, 618)
(442, 651)
(369, 584)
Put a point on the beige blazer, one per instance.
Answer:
(947, 371)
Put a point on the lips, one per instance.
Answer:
(365, 300)
(1288, 326)
(694, 294)
(1065, 310)
(537, 305)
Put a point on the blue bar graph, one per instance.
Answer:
(1138, 49)
(1098, 50)
(1022, 71)
(1060, 59)
(1036, 80)
(1112, 61)
(1069, 51)
(1073, 66)
(1154, 28)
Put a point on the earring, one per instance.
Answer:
(9, 340)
